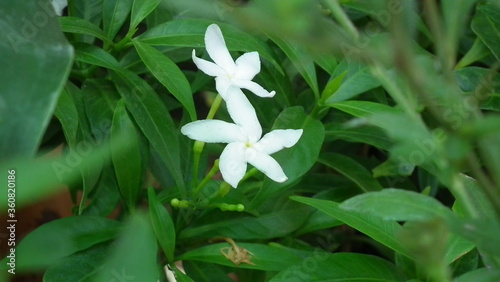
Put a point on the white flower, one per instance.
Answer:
(245, 144)
(226, 71)
(59, 6)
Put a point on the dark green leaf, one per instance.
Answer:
(168, 74)
(397, 204)
(153, 119)
(352, 170)
(140, 10)
(265, 257)
(341, 267)
(60, 238)
(81, 26)
(127, 164)
(486, 25)
(163, 225)
(383, 231)
(114, 14)
(481, 274)
(37, 61)
(94, 55)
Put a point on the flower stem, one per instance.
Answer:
(198, 145)
(208, 177)
(342, 17)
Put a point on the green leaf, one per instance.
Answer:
(352, 170)
(486, 25)
(134, 255)
(114, 14)
(105, 196)
(80, 267)
(382, 231)
(81, 26)
(205, 272)
(94, 55)
(484, 233)
(191, 33)
(67, 115)
(127, 164)
(361, 134)
(265, 257)
(163, 225)
(301, 60)
(363, 108)
(274, 225)
(153, 119)
(397, 204)
(481, 274)
(37, 61)
(140, 10)
(341, 267)
(60, 238)
(168, 74)
(357, 80)
(297, 160)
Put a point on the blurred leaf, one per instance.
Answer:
(168, 74)
(205, 272)
(38, 61)
(60, 238)
(191, 33)
(265, 257)
(268, 226)
(457, 247)
(134, 256)
(163, 225)
(81, 26)
(114, 14)
(358, 79)
(481, 274)
(140, 10)
(398, 205)
(486, 25)
(484, 233)
(341, 267)
(94, 55)
(297, 160)
(100, 101)
(352, 170)
(153, 119)
(105, 196)
(477, 52)
(301, 60)
(67, 115)
(127, 164)
(361, 134)
(79, 267)
(382, 231)
(363, 108)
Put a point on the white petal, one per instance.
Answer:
(213, 131)
(59, 6)
(247, 66)
(243, 113)
(216, 48)
(233, 164)
(253, 87)
(278, 139)
(266, 164)
(222, 84)
(207, 67)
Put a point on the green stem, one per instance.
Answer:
(342, 17)
(208, 177)
(198, 145)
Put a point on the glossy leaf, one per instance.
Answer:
(127, 164)
(168, 74)
(352, 170)
(163, 225)
(383, 231)
(397, 204)
(265, 257)
(114, 14)
(81, 26)
(140, 10)
(40, 56)
(94, 55)
(152, 118)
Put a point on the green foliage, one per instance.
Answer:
(398, 103)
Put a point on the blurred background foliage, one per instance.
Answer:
(396, 177)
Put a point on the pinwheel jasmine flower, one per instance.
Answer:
(226, 71)
(245, 144)
(59, 6)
